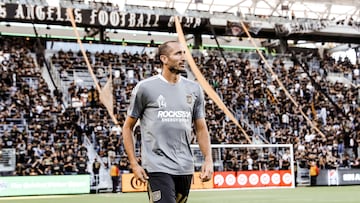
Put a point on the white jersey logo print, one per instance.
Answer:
(161, 101)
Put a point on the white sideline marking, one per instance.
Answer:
(34, 197)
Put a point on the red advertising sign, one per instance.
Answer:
(245, 179)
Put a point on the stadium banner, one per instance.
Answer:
(130, 184)
(308, 26)
(198, 184)
(7, 159)
(252, 179)
(337, 177)
(44, 185)
(95, 17)
(349, 176)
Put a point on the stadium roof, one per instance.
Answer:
(335, 10)
(316, 9)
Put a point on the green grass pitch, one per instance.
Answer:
(343, 194)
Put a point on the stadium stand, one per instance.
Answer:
(49, 138)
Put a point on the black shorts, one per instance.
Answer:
(166, 188)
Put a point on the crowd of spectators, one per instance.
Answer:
(32, 118)
(51, 141)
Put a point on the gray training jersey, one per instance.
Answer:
(166, 112)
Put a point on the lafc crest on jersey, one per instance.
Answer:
(189, 99)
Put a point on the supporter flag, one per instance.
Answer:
(283, 29)
(235, 29)
(313, 110)
(203, 82)
(273, 100)
(106, 95)
(276, 78)
(255, 27)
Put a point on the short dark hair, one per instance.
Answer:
(164, 49)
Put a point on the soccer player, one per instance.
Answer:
(168, 105)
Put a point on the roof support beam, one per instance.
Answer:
(274, 9)
(233, 6)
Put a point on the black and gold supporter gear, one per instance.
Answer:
(162, 187)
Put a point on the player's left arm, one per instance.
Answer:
(203, 139)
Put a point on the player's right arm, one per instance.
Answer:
(128, 127)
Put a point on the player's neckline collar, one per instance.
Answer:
(163, 78)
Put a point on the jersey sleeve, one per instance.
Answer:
(136, 102)
(199, 106)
